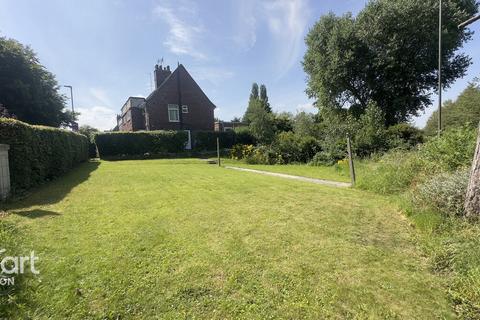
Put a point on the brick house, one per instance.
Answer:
(177, 103)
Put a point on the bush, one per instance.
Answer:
(403, 136)
(452, 150)
(244, 136)
(141, 142)
(90, 132)
(295, 148)
(398, 170)
(38, 154)
(444, 193)
(322, 158)
(264, 155)
(241, 151)
(207, 140)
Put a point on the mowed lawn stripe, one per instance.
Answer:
(180, 238)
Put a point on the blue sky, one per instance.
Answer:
(107, 49)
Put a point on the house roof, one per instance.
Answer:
(173, 75)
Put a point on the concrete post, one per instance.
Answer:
(4, 172)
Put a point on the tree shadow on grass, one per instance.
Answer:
(52, 191)
(36, 213)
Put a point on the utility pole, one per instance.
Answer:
(440, 68)
(71, 96)
(74, 124)
(472, 198)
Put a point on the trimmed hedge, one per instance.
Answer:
(38, 154)
(114, 144)
(207, 140)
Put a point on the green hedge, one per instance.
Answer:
(113, 144)
(39, 153)
(207, 140)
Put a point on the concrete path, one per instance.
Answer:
(288, 176)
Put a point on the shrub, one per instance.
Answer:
(263, 155)
(295, 148)
(322, 158)
(207, 140)
(241, 151)
(403, 136)
(39, 153)
(444, 193)
(398, 170)
(90, 132)
(244, 136)
(139, 143)
(452, 150)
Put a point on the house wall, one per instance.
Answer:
(200, 109)
(135, 122)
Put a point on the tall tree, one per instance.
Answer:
(464, 110)
(251, 102)
(264, 98)
(257, 97)
(304, 125)
(387, 55)
(254, 93)
(27, 89)
(262, 124)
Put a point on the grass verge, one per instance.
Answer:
(173, 238)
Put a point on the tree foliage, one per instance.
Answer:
(283, 122)
(88, 131)
(262, 125)
(255, 99)
(465, 110)
(387, 54)
(305, 125)
(264, 98)
(27, 89)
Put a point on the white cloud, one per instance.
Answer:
(246, 35)
(100, 117)
(100, 96)
(287, 21)
(306, 107)
(185, 30)
(215, 75)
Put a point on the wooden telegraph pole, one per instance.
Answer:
(472, 199)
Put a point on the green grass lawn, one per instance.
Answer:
(184, 239)
(334, 173)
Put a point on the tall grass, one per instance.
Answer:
(431, 184)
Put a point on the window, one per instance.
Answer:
(128, 116)
(184, 109)
(173, 115)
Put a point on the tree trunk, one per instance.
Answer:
(472, 200)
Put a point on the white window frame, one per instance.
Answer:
(184, 108)
(173, 107)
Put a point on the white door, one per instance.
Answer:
(189, 141)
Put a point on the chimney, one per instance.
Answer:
(161, 74)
